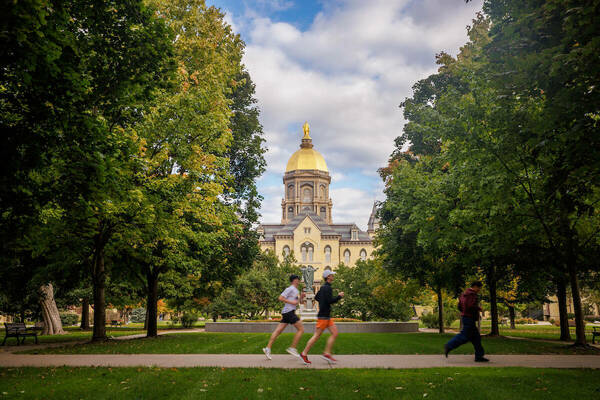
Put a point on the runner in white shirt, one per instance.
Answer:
(291, 297)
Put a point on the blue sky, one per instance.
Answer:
(344, 66)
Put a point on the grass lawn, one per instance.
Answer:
(221, 383)
(347, 343)
(72, 335)
(546, 332)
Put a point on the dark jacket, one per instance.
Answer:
(468, 304)
(325, 298)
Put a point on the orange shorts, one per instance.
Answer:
(324, 323)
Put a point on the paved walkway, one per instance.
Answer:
(286, 361)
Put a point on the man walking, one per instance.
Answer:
(324, 321)
(468, 305)
(290, 296)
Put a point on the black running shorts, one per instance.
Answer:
(289, 317)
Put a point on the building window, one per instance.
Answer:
(354, 235)
(363, 254)
(322, 192)
(286, 251)
(347, 257)
(323, 211)
(307, 230)
(307, 195)
(327, 254)
(307, 250)
(291, 192)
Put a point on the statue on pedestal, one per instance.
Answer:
(308, 276)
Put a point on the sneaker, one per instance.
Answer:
(305, 359)
(329, 358)
(292, 351)
(267, 352)
(446, 350)
(482, 359)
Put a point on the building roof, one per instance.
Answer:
(344, 231)
(306, 158)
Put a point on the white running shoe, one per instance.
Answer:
(293, 352)
(267, 352)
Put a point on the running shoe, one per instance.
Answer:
(305, 359)
(292, 351)
(267, 352)
(329, 358)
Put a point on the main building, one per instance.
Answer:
(306, 227)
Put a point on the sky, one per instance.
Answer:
(344, 66)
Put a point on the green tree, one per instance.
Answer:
(371, 292)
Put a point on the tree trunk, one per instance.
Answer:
(152, 305)
(511, 315)
(52, 323)
(580, 339)
(561, 294)
(99, 288)
(85, 314)
(440, 302)
(491, 280)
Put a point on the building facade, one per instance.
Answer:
(306, 226)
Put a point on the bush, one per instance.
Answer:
(592, 318)
(522, 321)
(68, 318)
(430, 320)
(138, 315)
(188, 319)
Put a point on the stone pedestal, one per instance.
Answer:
(308, 309)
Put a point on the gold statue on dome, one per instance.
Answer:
(306, 129)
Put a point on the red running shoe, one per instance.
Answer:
(305, 359)
(329, 358)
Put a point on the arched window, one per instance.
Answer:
(286, 251)
(347, 257)
(327, 254)
(291, 211)
(322, 191)
(291, 192)
(307, 195)
(323, 212)
(307, 251)
(363, 254)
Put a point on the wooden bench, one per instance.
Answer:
(595, 332)
(115, 322)
(19, 330)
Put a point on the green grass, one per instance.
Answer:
(72, 335)
(347, 343)
(221, 383)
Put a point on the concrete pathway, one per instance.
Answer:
(286, 361)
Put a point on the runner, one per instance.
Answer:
(324, 321)
(468, 304)
(290, 296)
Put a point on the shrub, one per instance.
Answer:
(68, 318)
(188, 319)
(138, 315)
(430, 320)
(592, 318)
(522, 321)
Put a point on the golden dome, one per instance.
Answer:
(306, 158)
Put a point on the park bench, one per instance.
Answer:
(595, 332)
(19, 330)
(115, 322)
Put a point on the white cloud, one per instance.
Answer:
(346, 74)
